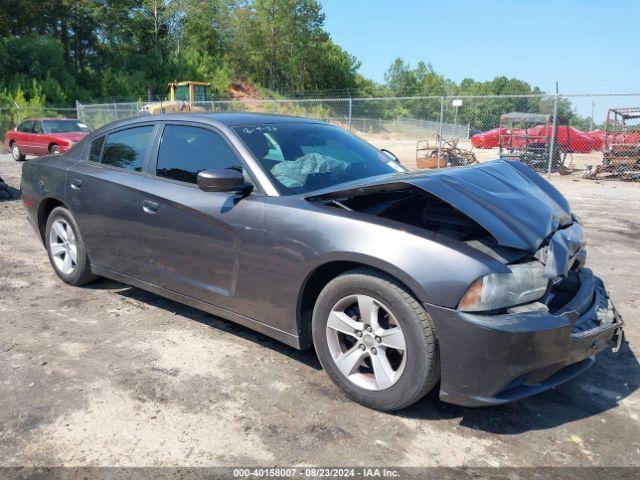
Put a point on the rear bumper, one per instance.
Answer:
(495, 359)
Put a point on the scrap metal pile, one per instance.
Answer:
(621, 146)
(447, 154)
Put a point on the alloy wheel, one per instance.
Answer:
(63, 246)
(366, 342)
(15, 151)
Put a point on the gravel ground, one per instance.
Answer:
(112, 375)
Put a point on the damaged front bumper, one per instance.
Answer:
(495, 359)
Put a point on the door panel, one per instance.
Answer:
(104, 202)
(104, 198)
(202, 244)
(206, 245)
(27, 145)
(39, 140)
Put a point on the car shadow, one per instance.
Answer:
(307, 357)
(611, 379)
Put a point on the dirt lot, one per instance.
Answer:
(112, 375)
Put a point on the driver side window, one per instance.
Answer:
(186, 150)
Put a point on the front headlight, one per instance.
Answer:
(524, 284)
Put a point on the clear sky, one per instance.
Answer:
(589, 46)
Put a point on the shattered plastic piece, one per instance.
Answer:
(564, 244)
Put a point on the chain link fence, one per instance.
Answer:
(582, 136)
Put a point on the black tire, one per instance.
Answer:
(81, 274)
(422, 370)
(17, 155)
(55, 149)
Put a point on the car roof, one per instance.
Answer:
(226, 119)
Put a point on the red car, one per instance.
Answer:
(42, 136)
(569, 138)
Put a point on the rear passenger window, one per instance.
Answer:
(96, 149)
(25, 127)
(185, 151)
(127, 148)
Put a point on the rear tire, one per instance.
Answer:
(17, 155)
(396, 362)
(66, 249)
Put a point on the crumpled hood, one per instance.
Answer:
(509, 199)
(518, 207)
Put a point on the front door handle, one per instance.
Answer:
(76, 184)
(149, 207)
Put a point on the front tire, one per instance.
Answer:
(17, 155)
(66, 248)
(375, 341)
(55, 149)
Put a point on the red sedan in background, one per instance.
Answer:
(569, 138)
(43, 136)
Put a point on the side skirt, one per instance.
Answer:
(280, 335)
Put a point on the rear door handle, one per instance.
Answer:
(76, 184)
(149, 207)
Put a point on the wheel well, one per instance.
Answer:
(51, 146)
(312, 287)
(46, 207)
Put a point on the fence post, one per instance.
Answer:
(78, 110)
(553, 132)
(440, 129)
(274, 108)
(350, 110)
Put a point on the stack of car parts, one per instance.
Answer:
(448, 154)
(621, 146)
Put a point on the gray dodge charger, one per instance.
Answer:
(471, 280)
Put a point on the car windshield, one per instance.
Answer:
(64, 126)
(303, 157)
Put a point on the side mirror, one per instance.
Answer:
(221, 180)
(390, 155)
